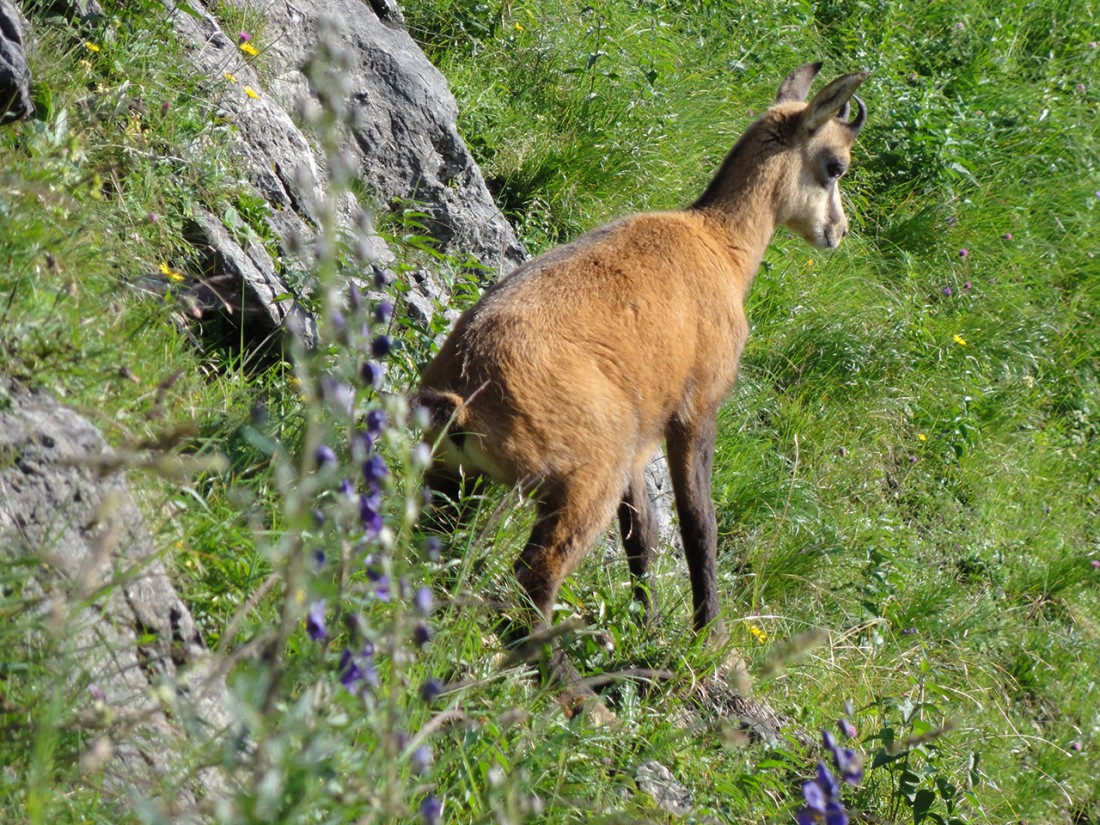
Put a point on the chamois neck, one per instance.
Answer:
(740, 199)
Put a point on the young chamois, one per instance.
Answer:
(569, 372)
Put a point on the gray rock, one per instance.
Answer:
(119, 633)
(669, 794)
(230, 271)
(404, 142)
(15, 76)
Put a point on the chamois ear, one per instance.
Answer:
(833, 99)
(797, 85)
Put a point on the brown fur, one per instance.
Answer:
(569, 373)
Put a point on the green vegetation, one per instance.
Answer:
(908, 472)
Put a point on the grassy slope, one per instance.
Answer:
(931, 505)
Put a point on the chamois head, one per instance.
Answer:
(817, 138)
(789, 161)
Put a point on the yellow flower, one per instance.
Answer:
(230, 77)
(921, 437)
(958, 339)
(170, 273)
(248, 49)
(758, 633)
(519, 28)
(92, 47)
(248, 90)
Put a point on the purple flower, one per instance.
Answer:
(315, 622)
(324, 456)
(380, 277)
(432, 548)
(960, 25)
(847, 728)
(814, 796)
(339, 394)
(370, 373)
(966, 286)
(338, 322)
(380, 347)
(422, 634)
(431, 811)
(374, 470)
(369, 516)
(421, 760)
(1096, 564)
(355, 669)
(423, 601)
(964, 253)
(848, 763)
(1007, 236)
(430, 690)
(827, 781)
(383, 311)
(318, 560)
(355, 301)
(244, 36)
(96, 692)
(948, 291)
(376, 421)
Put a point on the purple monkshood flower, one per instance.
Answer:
(822, 803)
(376, 420)
(315, 622)
(848, 763)
(422, 634)
(380, 347)
(339, 394)
(369, 516)
(421, 760)
(358, 669)
(355, 301)
(324, 456)
(847, 728)
(337, 319)
(374, 469)
(423, 601)
(430, 690)
(346, 488)
(370, 373)
(431, 811)
(383, 311)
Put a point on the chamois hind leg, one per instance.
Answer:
(691, 462)
(639, 532)
(570, 518)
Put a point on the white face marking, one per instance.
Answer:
(810, 205)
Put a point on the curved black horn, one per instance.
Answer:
(843, 113)
(861, 115)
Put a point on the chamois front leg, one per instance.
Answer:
(691, 462)
(639, 532)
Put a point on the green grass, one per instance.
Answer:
(925, 510)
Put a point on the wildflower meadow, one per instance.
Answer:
(907, 475)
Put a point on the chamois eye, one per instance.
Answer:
(834, 169)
